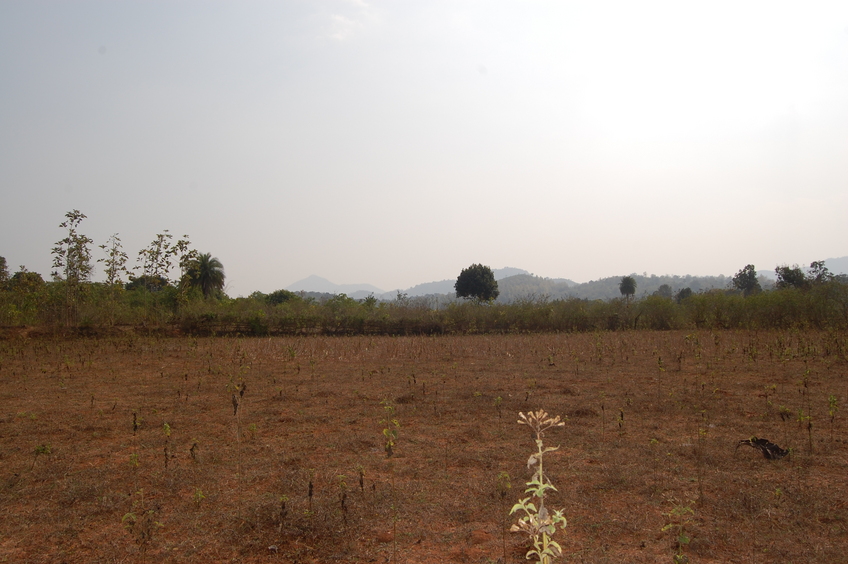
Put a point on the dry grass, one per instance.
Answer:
(311, 413)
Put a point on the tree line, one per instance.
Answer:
(174, 287)
(71, 298)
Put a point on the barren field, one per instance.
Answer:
(144, 449)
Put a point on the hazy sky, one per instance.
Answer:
(398, 142)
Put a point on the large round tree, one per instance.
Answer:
(477, 282)
(207, 273)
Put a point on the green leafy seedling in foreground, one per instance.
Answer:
(390, 427)
(679, 518)
(539, 524)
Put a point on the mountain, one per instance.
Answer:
(428, 288)
(834, 265)
(322, 285)
(606, 288)
(447, 286)
(837, 265)
(517, 284)
(527, 286)
(506, 272)
(533, 287)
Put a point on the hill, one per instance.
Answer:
(533, 287)
(518, 284)
(323, 286)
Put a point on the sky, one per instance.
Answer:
(395, 143)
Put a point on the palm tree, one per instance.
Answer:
(627, 287)
(207, 273)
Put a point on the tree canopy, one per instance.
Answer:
(791, 277)
(746, 281)
(206, 273)
(477, 282)
(627, 286)
(72, 254)
(682, 294)
(664, 291)
(819, 273)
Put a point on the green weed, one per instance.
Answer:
(538, 523)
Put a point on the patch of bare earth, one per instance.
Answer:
(653, 424)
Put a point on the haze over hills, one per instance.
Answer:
(359, 291)
(517, 284)
(317, 284)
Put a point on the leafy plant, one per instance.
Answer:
(115, 263)
(72, 262)
(390, 427)
(537, 522)
(141, 525)
(156, 260)
(679, 518)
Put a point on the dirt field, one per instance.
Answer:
(131, 449)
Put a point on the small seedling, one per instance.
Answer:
(141, 527)
(284, 511)
(539, 524)
(832, 409)
(390, 427)
(808, 419)
(198, 496)
(504, 486)
(343, 497)
(310, 492)
(679, 518)
(41, 449)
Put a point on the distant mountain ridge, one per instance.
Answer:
(518, 284)
(834, 265)
(322, 285)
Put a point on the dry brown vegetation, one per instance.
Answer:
(134, 449)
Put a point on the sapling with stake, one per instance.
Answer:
(832, 409)
(539, 524)
(236, 401)
(504, 485)
(311, 491)
(603, 418)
